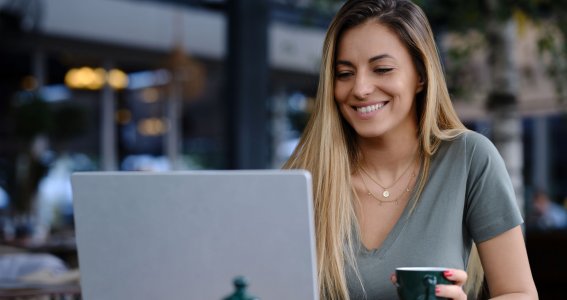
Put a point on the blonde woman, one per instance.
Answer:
(398, 180)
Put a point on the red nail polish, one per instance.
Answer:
(437, 290)
(448, 273)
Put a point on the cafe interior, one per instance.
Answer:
(173, 85)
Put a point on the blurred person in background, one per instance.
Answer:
(546, 214)
(398, 180)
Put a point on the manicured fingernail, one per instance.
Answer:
(437, 290)
(448, 273)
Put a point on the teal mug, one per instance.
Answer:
(419, 283)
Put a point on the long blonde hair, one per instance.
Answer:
(328, 146)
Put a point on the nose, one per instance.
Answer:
(363, 87)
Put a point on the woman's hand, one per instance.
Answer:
(451, 291)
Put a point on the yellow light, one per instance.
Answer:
(98, 79)
(70, 78)
(151, 127)
(117, 79)
(84, 77)
(123, 116)
(95, 79)
(29, 83)
(150, 95)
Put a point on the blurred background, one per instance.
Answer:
(165, 85)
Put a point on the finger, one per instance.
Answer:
(394, 279)
(450, 291)
(457, 276)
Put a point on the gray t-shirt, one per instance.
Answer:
(468, 197)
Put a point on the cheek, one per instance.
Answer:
(394, 85)
(340, 100)
(403, 87)
(340, 93)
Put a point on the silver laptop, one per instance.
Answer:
(187, 235)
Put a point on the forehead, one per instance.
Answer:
(368, 40)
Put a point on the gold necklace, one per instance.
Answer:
(385, 191)
(380, 201)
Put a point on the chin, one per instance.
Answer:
(369, 132)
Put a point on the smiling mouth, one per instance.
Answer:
(370, 108)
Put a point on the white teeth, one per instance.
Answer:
(370, 108)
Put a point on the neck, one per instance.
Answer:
(387, 157)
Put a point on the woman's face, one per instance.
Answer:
(376, 82)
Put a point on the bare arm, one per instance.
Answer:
(506, 267)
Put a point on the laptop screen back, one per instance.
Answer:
(187, 235)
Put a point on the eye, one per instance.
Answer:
(343, 74)
(383, 70)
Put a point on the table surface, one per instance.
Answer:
(36, 290)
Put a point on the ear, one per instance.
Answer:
(420, 85)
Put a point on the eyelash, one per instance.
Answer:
(383, 70)
(379, 71)
(343, 75)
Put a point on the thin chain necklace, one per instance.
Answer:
(385, 191)
(380, 201)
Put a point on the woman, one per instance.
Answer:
(398, 180)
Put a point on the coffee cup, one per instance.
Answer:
(419, 283)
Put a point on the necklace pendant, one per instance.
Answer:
(386, 194)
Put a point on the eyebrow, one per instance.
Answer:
(370, 60)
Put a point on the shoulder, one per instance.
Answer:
(472, 151)
(475, 139)
(479, 155)
(469, 137)
(472, 144)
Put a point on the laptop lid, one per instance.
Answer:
(187, 235)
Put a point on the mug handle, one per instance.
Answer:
(430, 281)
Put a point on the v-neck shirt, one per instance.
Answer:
(468, 197)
